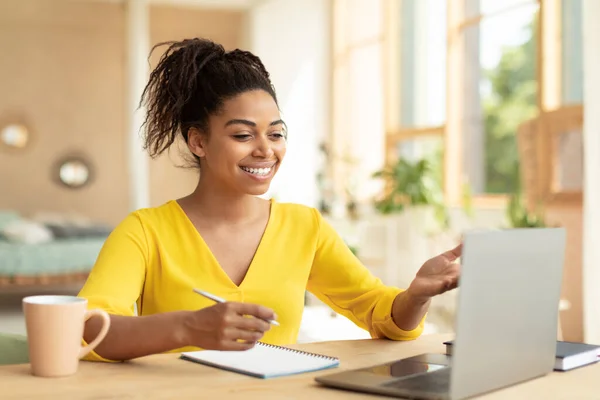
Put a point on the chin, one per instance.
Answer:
(257, 191)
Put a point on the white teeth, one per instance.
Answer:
(257, 171)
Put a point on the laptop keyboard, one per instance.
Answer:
(433, 382)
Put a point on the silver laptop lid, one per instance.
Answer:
(507, 309)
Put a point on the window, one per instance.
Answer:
(510, 63)
(497, 45)
(416, 82)
(572, 52)
(459, 80)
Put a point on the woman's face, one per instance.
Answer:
(245, 144)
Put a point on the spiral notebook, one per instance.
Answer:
(263, 360)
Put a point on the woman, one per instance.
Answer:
(259, 255)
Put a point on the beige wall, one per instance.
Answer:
(62, 71)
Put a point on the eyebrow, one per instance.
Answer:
(250, 123)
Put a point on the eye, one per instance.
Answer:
(277, 135)
(242, 137)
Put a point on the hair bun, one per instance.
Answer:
(200, 51)
(248, 58)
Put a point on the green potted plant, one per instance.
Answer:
(519, 217)
(411, 184)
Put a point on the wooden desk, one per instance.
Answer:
(167, 377)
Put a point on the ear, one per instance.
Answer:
(197, 142)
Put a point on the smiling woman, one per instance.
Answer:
(259, 255)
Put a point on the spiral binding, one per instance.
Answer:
(297, 351)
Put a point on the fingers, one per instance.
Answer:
(455, 253)
(236, 334)
(239, 346)
(452, 277)
(238, 331)
(233, 345)
(254, 310)
(227, 326)
(253, 324)
(451, 283)
(239, 315)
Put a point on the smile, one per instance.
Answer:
(258, 171)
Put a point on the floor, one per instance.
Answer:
(318, 322)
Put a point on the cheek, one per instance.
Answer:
(280, 149)
(226, 153)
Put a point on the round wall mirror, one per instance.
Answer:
(15, 136)
(74, 172)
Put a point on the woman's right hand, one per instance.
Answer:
(227, 326)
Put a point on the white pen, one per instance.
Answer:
(220, 300)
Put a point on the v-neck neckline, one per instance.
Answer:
(216, 264)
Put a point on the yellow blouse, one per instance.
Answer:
(155, 256)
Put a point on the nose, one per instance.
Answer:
(263, 148)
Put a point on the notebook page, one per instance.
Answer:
(264, 360)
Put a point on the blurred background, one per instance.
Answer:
(410, 122)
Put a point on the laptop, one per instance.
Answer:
(506, 323)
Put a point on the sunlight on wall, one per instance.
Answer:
(297, 59)
(296, 178)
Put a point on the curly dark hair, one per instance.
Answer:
(191, 81)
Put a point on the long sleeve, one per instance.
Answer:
(340, 280)
(116, 281)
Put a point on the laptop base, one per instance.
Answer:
(423, 377)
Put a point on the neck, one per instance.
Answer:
(214, 204)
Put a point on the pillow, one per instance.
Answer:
(55, 218)
(70, 231)
(28, 232)
(44, 217)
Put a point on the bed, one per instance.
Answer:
(62, 255)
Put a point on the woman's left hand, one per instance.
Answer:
(438, 275)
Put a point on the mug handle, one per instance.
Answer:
(105, 325)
